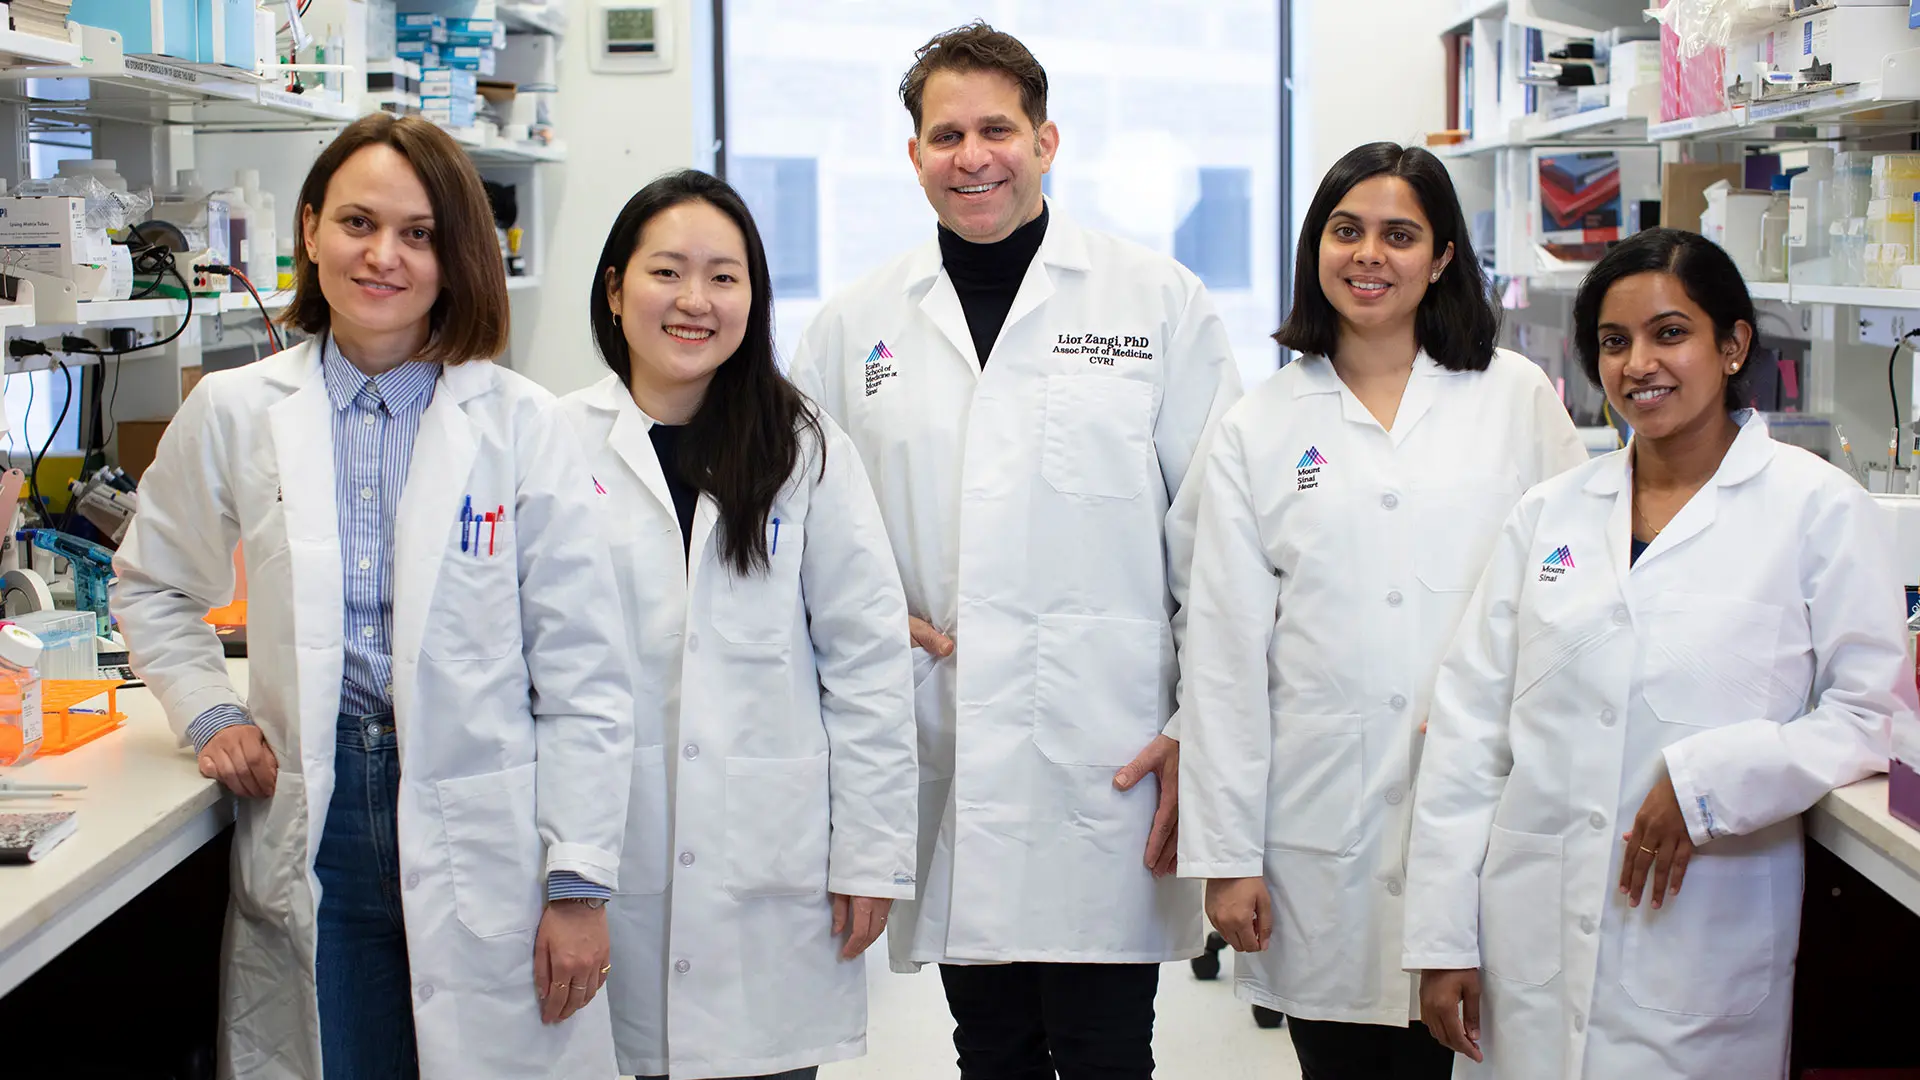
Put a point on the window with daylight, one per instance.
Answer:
(784, 195)
(1216, 240)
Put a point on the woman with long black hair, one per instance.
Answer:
(764, 615)
(1349, 505)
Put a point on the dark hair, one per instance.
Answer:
(1457, 323)
(976, 47)
(1705, 272)
(473, 282)
(743, 443)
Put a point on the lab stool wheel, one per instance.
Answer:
(1268, 1018)
(1206, 966)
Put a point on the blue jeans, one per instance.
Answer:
(366, 993)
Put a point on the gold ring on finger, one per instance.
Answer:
(1648, 850)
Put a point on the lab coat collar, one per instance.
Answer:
(1751, 451)
(1319, 377)
(629, 439)
(1064, 246)
(296, 367)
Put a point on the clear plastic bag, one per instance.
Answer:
(1714, 24)
(106, 208)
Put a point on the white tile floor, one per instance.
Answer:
(1202, 1032)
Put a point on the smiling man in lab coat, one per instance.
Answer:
(1028, 397)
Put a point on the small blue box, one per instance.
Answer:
(417, 21)
(148, 27)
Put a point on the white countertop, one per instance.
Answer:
(1854, 824)
(145, 809)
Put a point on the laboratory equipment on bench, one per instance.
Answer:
(92, 568)
(20, 722)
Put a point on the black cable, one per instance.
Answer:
(273, 336)
(113, 396)
(1892, 390)
(33, 478)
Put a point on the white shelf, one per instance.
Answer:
(242, 302)
(1889, 104)
(1770, 290)
(1468, 10)
(520, 284)
(527, 153)
(1855, 295)
(1470, 148)
(102, 81)
(539, 18)
(155, 307)
(31, 50)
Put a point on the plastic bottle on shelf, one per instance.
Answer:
(106, 170)
(263, 237)
(283, 264)
(239, 236)
(21, 729)
(1809, 251)
(1773, 232)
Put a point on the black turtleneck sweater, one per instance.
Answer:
(988, 276)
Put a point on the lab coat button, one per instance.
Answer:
(1579, 1021)
(1597, 819)
(1398, 701)
(1394, 796)
(1606, 717)
(682, 966)
(426, 993)
(1394, 598)
(686, 858)
(1586, 924)
(692, 751)
(1393, 887)
(693, 642)
(1390, 501)
(1619, 616)
(413, 881)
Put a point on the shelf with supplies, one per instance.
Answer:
(549, 19)
(526, 153)
(106, 83)
(1867, 296)
(1470, 148)
(1622, 121)
(1887, 105)
(516, 284)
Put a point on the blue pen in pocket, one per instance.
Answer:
(776, 537)
(466, 522)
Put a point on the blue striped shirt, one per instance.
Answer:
(375, 422)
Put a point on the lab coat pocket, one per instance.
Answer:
(778, 822)
(1520, 906)
(270, 848)
(476, 603)
(1710, 659)
(758, 609)
(1314, 784)
(1457, 531)
(1099, 435)
(643, 858)
(493, 850)
(1709, 950)
(1099, 688)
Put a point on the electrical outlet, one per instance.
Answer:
(1885, 326)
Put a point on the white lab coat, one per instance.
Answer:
(1756, 653)
(1301, 733)
(788, 699)
(1039, 514)
(511, 698)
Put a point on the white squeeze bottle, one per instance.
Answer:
(263, 238)
(1809, 243)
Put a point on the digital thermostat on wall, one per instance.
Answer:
(632, 37)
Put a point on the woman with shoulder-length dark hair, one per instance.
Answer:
(1349, 505)
(764, 616)
(434, 752)
(1676, 649)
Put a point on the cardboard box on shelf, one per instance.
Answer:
(138, 441)
(1683, 191)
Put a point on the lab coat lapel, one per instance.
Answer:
(437, 484)
(302, 427)
(942, 305)
(1422, 387)
(630, 441)
(706, 526)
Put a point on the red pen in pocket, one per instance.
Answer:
(493, 525)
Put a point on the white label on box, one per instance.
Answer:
(1797, 212)
(30, 721)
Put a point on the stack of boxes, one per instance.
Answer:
(453, 52)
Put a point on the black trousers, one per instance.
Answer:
(1329, 1050)
(1035, 1021)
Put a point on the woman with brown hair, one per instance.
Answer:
(433, 756)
